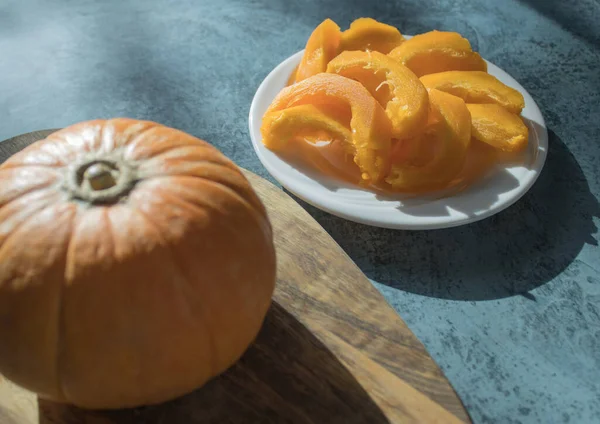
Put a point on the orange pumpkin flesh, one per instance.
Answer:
(136, 264)
(371, 129)
(321, 47)
(438, 51)
(442, 148)
(396, 88)
(309, 135)
(368, 34)
(476, 87)
(496, 126)
(436, 94)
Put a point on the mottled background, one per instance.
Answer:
(510, 306)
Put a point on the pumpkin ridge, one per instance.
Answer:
(253, 200)
(69, 268)
(101, 147)
(181, 269)
(38, 147)
(149, 125)
(144, 174)
(198, 207)
(109, 230)
(9, 165)
(173, 152)
(44, 202)
(259, 215)
(56, 149)
(31, 188)
(141, 134)
(60, 324)
(135, 143)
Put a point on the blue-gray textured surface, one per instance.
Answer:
(510, 306)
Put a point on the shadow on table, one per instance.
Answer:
(575, 17)
(288, 376)
(510, 253)
(343, 13)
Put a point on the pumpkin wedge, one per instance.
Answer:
(476, 87)
(438, 51)
(315, 138)
(497, 127)
(370, 126)
(321, 47)
(395, 86)
(442, 147)
(368, 34)
(305, 122)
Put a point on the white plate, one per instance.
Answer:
(500, 189)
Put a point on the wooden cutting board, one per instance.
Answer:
(331, 349)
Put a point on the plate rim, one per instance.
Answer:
(449, 221)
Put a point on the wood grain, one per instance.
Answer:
(330, 351)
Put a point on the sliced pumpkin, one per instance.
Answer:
(321, 47)
(306, 122)
(411, 150)
(442, 148)
(476, 87)
(497, 127)
(370, 126)
(438, 51)
(314, 138)
(395, 86)
(369, 34)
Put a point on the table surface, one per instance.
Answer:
(510, 306)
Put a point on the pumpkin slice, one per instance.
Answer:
(438, 51)
(306, 122)
(395, 86)
(476, 87)
(497, 127)
(369, 34)
(410, 150)
(321, 47)
(442, 148)
(371, 128)
(307, 134)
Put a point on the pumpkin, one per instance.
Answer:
(395, 86)
(321, 47)
(304, 122)
(315, 137)
(343, 98)
(476, 87)
(367, 34)
(438, 51)
(441, 150)
(496, 126)
(136, 263)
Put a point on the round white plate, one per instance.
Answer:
(500, 189)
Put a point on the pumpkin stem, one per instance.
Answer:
(101, 176)
(100, 179)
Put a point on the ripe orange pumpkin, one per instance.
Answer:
(136, 263)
